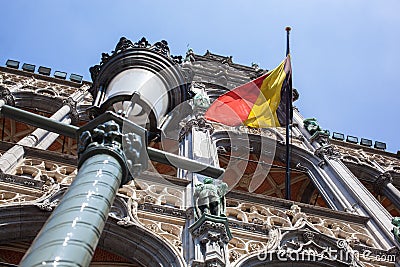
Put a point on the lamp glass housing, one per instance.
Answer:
(151, 88)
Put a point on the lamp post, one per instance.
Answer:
(70, 235)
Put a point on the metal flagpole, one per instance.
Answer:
(288, 115)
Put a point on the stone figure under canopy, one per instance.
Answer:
(210, 198)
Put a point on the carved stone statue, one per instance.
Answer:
(201, 100)
(189, 56)
(396, 228)
(210, 198)
(313, 127)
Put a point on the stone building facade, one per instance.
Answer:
(343, 198)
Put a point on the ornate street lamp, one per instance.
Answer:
(145, 71)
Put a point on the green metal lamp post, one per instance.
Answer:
(71, 234)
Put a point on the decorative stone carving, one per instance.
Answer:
(211, 236)
(171, 232)
(177, 59)
(188, 74)
(124, 209)
(210, 198)
(143, 43)
(242, 216)
(152, 195)
(317, 133)
(381, 181)
(233, 255)
(94, 71)
(365, 158)
(189, 56)
(161, 47)
(47, 205)
(126, 222)
(308, 236)
(6, 95)
(107, 138)
(301, 167)
(162, 210)
(122, 45)
(296, 214)
(313, 127)
(327, 150)
(129, 191)
(200, 123)
(201, 102)
(74, 115)
(190, 213)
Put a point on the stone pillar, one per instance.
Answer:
(51, 137)
(384, 185)
(39, 134)
(39, 138)
(211, 236)
(196, 144)
(362, 201)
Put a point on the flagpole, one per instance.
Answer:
(288, 115)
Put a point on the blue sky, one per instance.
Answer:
(344, 53)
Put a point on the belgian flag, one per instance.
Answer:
(260, 103)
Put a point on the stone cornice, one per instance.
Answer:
(20, 180)
(306, 208)
(346, 145)
(43, 77)
(208, 56)
(43, 154)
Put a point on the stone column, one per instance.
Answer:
(384, 185)
(197, 144)
(39, 138)
(363, 202)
